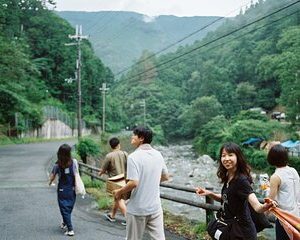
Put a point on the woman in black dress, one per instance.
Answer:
(234, 173)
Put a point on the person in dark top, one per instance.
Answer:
(234, 173)
(65, 167)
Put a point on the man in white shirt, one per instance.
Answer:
(146, 168)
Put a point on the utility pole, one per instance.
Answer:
(143, 104)
(78, 37)
(103, 89)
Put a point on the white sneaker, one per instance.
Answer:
(69, 233)
(63, 226)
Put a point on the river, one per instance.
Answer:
(190, 170)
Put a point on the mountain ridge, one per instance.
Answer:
(119, 37)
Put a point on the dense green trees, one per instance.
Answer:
(206, 94)
(196, 92)
(34, 63)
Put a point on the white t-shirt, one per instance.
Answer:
(145, 165)
(288, 196)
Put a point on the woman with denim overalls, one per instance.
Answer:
(66, 196)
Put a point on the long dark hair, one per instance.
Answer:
(64, 158)
(242, 168)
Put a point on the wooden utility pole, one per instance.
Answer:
(143, 104)
(103, 89)
(78, 37)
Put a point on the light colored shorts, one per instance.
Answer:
(136, 226)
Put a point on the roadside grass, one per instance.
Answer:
(98, 190)
(8, 141)
(185, 227)
(176, 224)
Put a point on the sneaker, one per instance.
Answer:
(124, 223)
(69, 233)
(63, 226)
(109, 218)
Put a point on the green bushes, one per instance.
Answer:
(88, 183)
(258, 159)
(87, 147)
(220, 130)
(295, 163)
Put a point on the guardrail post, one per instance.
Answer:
(79, 169)
(208, 200)
(92, 178)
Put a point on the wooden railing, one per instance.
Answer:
(209, 205)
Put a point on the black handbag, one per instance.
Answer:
(219, 229)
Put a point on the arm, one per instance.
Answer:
(257, 206)
(105, 165)
(164, 177)
(203, 192)
(102, 171)
(274, 186)
(51, 178)
(131, 184)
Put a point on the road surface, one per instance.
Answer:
(28, 206)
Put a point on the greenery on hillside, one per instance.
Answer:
(196, 92)
(119, 38)
(190, 91)
(205, 91)
(34, 63)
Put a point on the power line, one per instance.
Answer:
(178, 41)
(169, 46)
(215, 40)
(239, 36)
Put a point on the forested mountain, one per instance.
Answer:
(34, 63)
(119, 38)
(200, 91)
(250, 61)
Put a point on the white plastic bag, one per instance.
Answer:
(79, 186)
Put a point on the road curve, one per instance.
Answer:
(28, 206)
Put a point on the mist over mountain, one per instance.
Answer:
(119, 38)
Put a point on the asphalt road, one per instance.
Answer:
(28, 206)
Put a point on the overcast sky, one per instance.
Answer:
(158, 7)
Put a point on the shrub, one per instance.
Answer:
(88, 183)
(104, 202)
(294, 162)
(257, 159)
(87, 147)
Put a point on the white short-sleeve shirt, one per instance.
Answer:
(145, 165)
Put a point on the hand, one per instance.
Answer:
(51, 184)
(269, 203)
(202, 191)
(117, 194)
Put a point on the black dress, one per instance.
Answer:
(235, 205)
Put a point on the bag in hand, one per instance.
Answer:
(224, 229)
(79, 186)
(219, 229)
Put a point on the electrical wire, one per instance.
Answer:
(216, 39)
(179, 41)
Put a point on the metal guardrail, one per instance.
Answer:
(209, 205)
